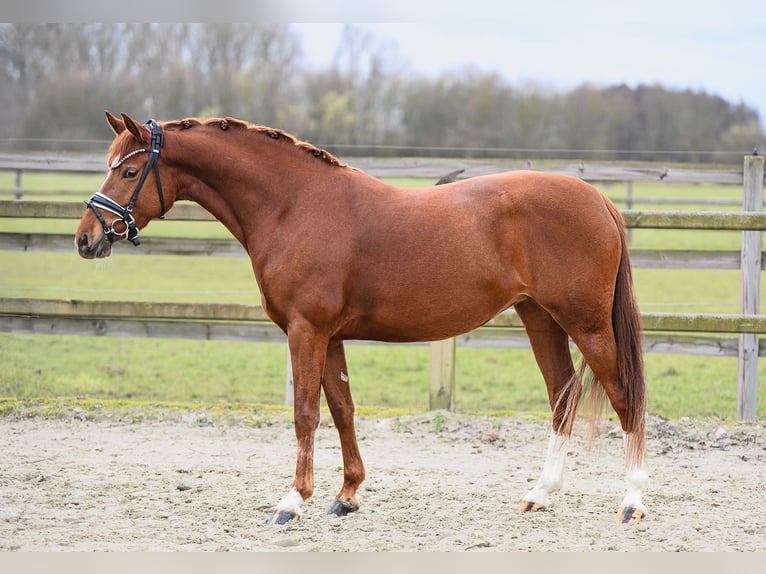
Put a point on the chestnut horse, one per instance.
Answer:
(340, 255)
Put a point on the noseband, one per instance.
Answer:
(99, 201)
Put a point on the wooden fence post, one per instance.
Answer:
(17, 182)
(750, 264)
(442, 395)
(629, 205)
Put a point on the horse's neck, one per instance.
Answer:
(215, 204)
(244, 194)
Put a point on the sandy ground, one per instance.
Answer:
(435, 482)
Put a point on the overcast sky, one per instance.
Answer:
(717, 47)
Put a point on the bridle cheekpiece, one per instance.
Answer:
(99, 201)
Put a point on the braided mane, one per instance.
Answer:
(226, 124)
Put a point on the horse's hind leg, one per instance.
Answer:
(338, 395)
(550, 345)
(599, 350)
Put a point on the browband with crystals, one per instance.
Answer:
(119, 161)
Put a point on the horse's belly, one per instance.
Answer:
(427, 316)
(422, 329)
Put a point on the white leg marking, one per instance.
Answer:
(552, 476)
(291, 502)
(637, 480)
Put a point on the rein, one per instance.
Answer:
(99, 201)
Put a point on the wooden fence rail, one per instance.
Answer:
(34, 312)
(665, 332)
(57, 242)
(636, 219)
(431, 168)
(242, 312)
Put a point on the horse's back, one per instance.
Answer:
(542, 214)
(533, 190)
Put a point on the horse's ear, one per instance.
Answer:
(138, 131)
(117, 125)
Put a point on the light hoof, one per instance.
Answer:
(342, 507)
(282, 517)
(529, 506)
(630, 515)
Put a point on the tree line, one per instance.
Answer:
(58, 78)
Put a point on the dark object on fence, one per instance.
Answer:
(450, 177)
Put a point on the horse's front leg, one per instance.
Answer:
(308, 352)
(338, 394)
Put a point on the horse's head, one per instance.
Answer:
(129, 198)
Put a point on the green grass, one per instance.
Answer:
(238, 375)
(141, 369)
(689, 290)
(214, 373)
(49, 181)
(132, 277)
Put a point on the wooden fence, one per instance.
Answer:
(665, 332)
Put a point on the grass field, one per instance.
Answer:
(224, 373)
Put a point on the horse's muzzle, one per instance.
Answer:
(91, 247)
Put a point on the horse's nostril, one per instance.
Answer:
(83, 241)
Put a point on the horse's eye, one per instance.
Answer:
(130, 172)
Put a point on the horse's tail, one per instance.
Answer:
(626, 323)
(627, 328)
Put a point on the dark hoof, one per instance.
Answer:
(342, 508)
(629, 515)
(281, 517)
(528, 506)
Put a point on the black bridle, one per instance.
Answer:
(99, 201)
